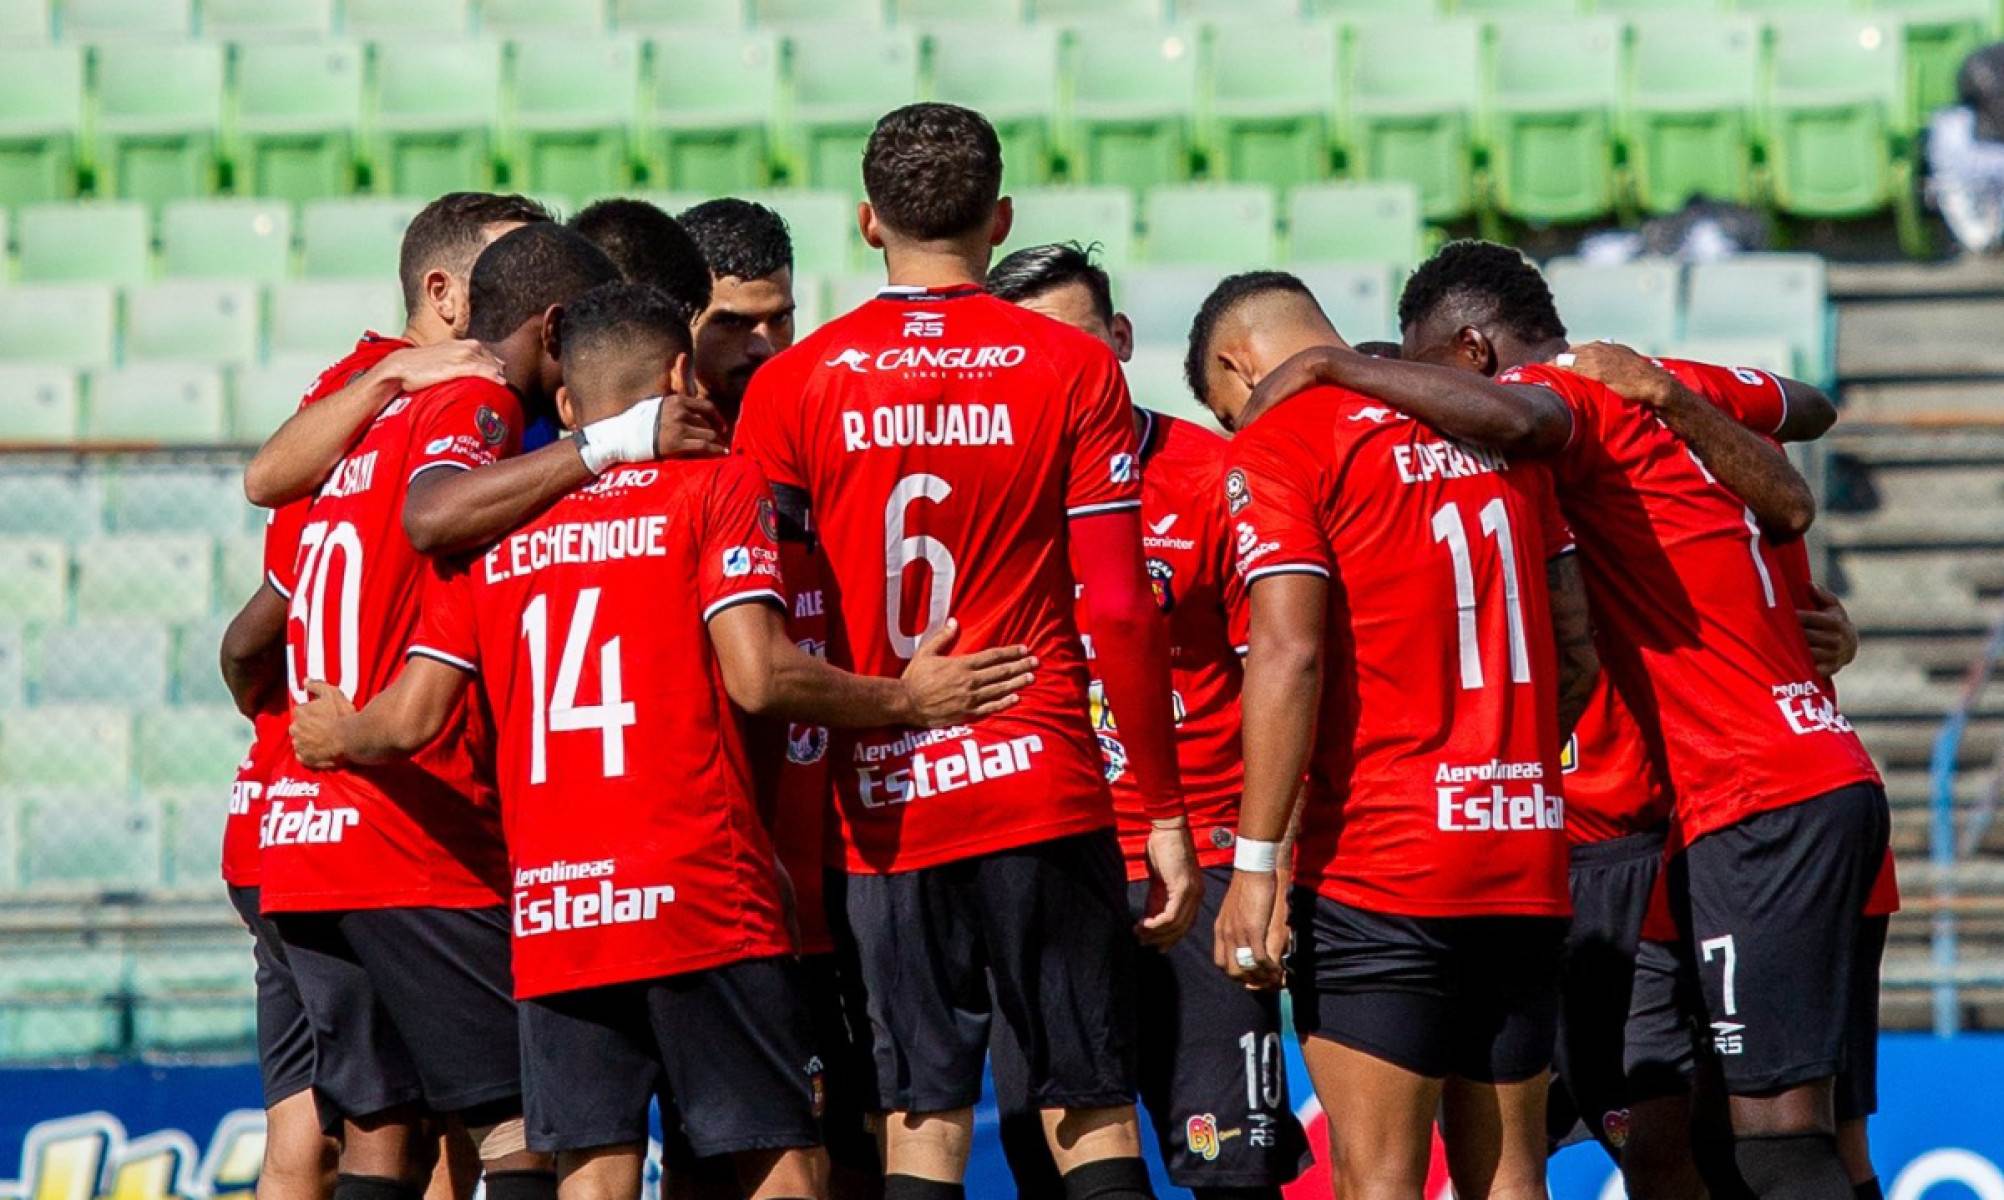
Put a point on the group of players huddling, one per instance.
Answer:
(651, 708)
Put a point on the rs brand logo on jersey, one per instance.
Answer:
(1729, 1037)
(925, 324)
(737, 562)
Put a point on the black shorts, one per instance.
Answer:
(728, 1050)
(1472, 997)
(1047, 923)
(1212, 1072)
(284, 1037)
(1770, 910)
(408, 1006)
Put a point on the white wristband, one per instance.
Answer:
(1255, 856)
(626, 438)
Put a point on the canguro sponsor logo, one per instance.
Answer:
(931, 358)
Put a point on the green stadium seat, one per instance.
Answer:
(656, 16)
(512, 17)
(1273, 100)
(823, 225)
(1693, 84)
(1765, 295)
(323, 317)
(144, 575)
(810, 298)
(1086, 215)
(260, 20)
(165, 499)
(354, 238)
(197, 678)
(1555, 85)
(1358, 10)
(74, 843)
(298, 113)
(1013, 76)
(842, 83)
(70, 323)
(171, 404)
(715, 95)
(1835, 91)
(189, 744)
(1410, 116)
(85, 243)
(1155, 380)
(58, 1003)
(41, 121)
(577, 101)
(1134, 91)
(58, 504)
(226, 239)
(403, 18)
(268, 393)
(437, 103)
(201, 320)
(194, 819)
(189, 1002)
(41, 406)
(1243, 11)
(25, 22)
(34, 580)
(1642, 9)
(1501, 10)
(1359, 299)
(847, 292)
(1355, 222)
(67, 746)
(1220, 224)
(784, 13)
(159, 110)
(1162, 301)
(13, 673)
(1763, 354)
(242, 569)
(939, 13)
(1635, 303)
(99, 20)
(99, 662)
(1088, 12)
(1939, 34)
(1789, 7)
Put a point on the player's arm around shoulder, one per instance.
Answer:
(1497, 413)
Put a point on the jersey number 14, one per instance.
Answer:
(560, 712)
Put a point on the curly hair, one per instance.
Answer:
(933, 171)
(1482, 283)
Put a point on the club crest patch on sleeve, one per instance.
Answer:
(493, 429)
(1237, 494)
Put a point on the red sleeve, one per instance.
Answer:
(765, 431)
(1753, 398)
(1275, 530)
(1558, 533)
(446, 629)
(1104, 473)
(1130, 648)
(281, 544)
(1568, 387)
(739, 561)
(465, 424)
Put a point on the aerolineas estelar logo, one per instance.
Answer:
(89, 1157)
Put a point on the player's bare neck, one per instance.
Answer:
(935, 264)
(1543, 352)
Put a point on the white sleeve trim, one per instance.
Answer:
(1776, 381)
(271, 581)
(762, 595)
(1562, 551)
(1287, 569)
(437, 655)
(1088, 510)
(1242, 650)
(442, 462)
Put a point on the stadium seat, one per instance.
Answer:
(259, 20)
(437, 104)
(847, 292)
(1554, 88)
(1155, 380)
(1635, 303)
(159, 110)
(1939, 34)
(715, 95)
(1765, 295)
(823, 226)
(100, 20)
(171, 404)
(144, 575)
(58, 504)
(1359, 299)
(1642, 9)
(1229, 225)
(194, 819)
(193, 1001)
(13, 676)
(268, 393)
(71, 842)
(34, 580)
(242, 572)
(1087, 215)
(1273, 100)
(1693, 83)
(58, 1004)
(41, 405)
(41, 120)
(403, 18)
(1162, 301)
(201, 320)
(1012, 75)
(784, 13)
(938, 13)
(1355, 222)
(298, 110)
(1248, 12)
(658, 16)
(1409, 116)
(189, 744)
(67, 746)
(85, 243)
(841, 85)
(197, 678)
(1835, 91)
(104, 662)
(354, 238)
(513, 17)
(226, 239)
(1501, 10)
(1357, 10)
(1134, 91)
(25, 22)
(577, 101)
(1126, 13)
(1764, 354)
(70, 323)
(153, 498)
(324, 317)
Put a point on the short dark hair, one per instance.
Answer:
(1231, 292)
(739, 239)
(446, 235)
(1483, 283)
(622, 315)
(649, 246)
(933, 171)
(1035, 270)
(527, 271)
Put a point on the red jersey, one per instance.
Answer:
(800, 812)
(943, 440)
(1433, 789)
(1183, 519)
(269, 743)
(425, 832)
(633, 832)
(1694, 628)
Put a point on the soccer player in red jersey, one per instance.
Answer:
(1211, 1066)
(962, 458)
(651, 948)
(1418, 645)
(1780, 818)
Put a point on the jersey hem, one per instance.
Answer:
(326, 901)
(854, 863)
(653, 968)
(1725, 817)
(1393, 907)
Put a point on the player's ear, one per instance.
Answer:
(446, 297)
(1123, 336)
(553, 332)
(866, 223)
(1005, 220)
(566, 408)
(681, 379)
(1474, 348)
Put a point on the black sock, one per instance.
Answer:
(520, 1185)
(374, 1187)
(1799, 1167)
(911, 1187)
(1109, 1179)
(1868, 1190)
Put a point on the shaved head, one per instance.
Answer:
(1249, 325)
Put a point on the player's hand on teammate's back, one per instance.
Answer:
(1175, 885)
(316, 725)
(1625, 372)
(690, 427)
(1247, 921)
(951, 689)
(420, 367)
(1833, 639)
